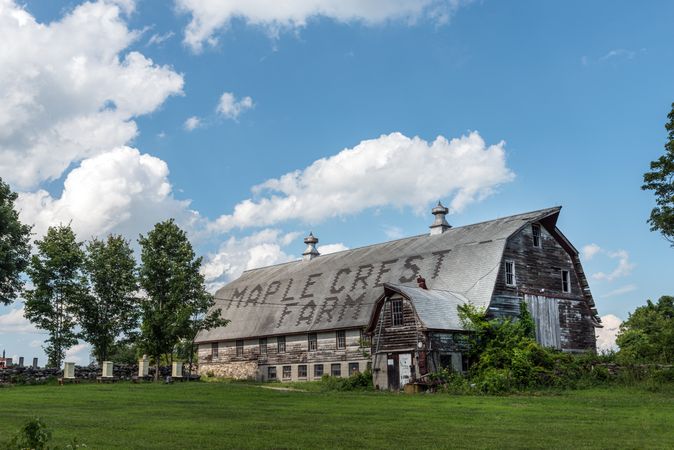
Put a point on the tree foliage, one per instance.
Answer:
(176, 303)
(110, 310)
(660, 180)
(648, 334)
(58, 285)
(14, 246)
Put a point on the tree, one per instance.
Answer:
(59, 284)
(111, 308)
(661, 180)
(175, 291)
(14, 246)
(648, 334)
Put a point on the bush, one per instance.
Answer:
(359, 381)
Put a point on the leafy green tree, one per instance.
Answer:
(176, 300)
(648, 334)
(660, 179)
(14, 246)
(58, 284)
(110, 311)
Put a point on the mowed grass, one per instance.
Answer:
(233, 415)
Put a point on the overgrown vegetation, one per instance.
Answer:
(647, 336)
(35, 435)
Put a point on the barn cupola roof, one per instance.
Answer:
(311, 252)
(440, 225)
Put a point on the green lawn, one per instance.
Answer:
(219, 415)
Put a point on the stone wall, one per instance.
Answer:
(28, 375)
(240, 370)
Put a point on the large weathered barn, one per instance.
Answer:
(367, 307)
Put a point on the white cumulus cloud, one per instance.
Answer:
(79, 354)
(192, 123)
(331, 248)
(231, 108)
(392, 170)
(606, 336)
(14, 321)
(69, 91)
(235, 255)
(121, 191)
(210, 16)
(590, 250)
(623, 269)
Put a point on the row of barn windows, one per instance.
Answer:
(511, 280)
(319, 371)
(312, 340)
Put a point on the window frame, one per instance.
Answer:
(512, 273)
(566, 281)
(322, 370)
(336, 373)
(287, 372)
(300, 368)
(312, 342)
(271, 370)
(215, 350)
(536, 234)
(280, 344)
(239, 347)
(397, 317)
(340, 339)
(262, 343)
(351, 365)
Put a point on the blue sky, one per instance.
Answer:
(553, 103)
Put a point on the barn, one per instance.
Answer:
(392, 306)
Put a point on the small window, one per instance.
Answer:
(510, 273)
(566, 284)
(281, 344)
(214, 350)
(287, 372)
(465, 362)
(336, 370)
(239, 348)
(446, 361)
(536, 231)
(313, 342)
(263, 346)
(341, 339)
(301, 371)
(365, 341)
(368, 366)
(396, 312)
(318, 370)
(353, 368)
(271, 372)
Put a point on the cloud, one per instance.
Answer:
(618, 53)
(231, 108)
(158, 39)
(69, 90)
(392, 170)
(35, 343)
(192, 123)
(14, 321)
(121, 191)
(331, 248)
(210, 16)
(606, 336)
(623, 269)
(590, 250)
(235, 255)
(79, 354)
(620, 291)
(393, 232)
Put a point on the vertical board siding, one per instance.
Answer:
(545, 313)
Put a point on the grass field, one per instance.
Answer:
(224, 415)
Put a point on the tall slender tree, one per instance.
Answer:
(14, 246)
(109, 313)
(660, 180)
(58, 284)
(175, 291)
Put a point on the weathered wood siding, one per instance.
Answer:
(390, 338)
(538, 271)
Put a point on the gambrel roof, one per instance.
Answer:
(339, 290)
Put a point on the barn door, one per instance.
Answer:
(545, 313)
(392, 372)
(405, 363)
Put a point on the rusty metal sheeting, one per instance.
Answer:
(339, 290)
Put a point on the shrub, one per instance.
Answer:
(359, 381)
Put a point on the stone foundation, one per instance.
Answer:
(240, 370)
